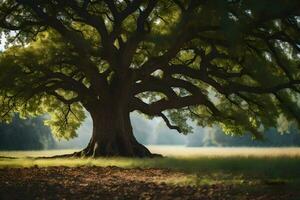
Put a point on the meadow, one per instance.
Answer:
(254, 170)
(211, 162)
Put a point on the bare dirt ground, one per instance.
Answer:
(114, 183)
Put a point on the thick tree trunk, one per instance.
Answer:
(112, 134)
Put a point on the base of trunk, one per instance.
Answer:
(138, 150)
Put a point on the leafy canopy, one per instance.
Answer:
(231, 62)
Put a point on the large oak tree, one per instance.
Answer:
(234, 63)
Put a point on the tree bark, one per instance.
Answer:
(112, 134)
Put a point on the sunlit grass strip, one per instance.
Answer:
(183, 152)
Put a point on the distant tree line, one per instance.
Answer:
(32, 134)
(156, 133)
(29, 134)
(215, 137)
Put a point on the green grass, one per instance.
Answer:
(250, 169)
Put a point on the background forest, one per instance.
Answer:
(32, 134)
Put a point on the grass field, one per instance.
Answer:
(203, 165)
(265, 173)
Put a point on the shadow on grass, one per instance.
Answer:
(252, 167)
